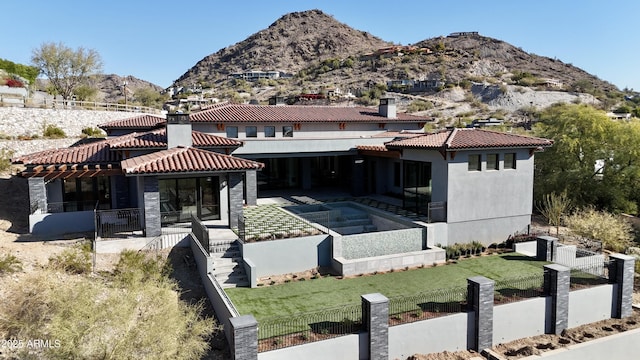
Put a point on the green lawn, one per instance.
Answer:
(311, 295)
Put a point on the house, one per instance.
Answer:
(472, 184)
(163, 173)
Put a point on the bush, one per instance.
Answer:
(53, 132)
(5, 159)
(9, 264)
(137, 267)
(75, 260)
(93, 132)
(89, 318)
(615, 233)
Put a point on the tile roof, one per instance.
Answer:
(296, 113)
(88, 154)
(142, 122)
(158, 139)
(186, 160)
(372, 147)
(458, 139)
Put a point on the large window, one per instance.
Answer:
(251, 131)
(417, 186)
(179, 198)
(82, 194)
(287, 131)
(269, 131)
(493, 162)
(510, 161)
(232, 131)
(475, 163)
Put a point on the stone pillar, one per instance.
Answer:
(37, 194)
(546, 248)
(251, 178)
(375, 319)
(480, 301)
(236, 200)
(556, 284)
(152, 224)
(621, 271)
(244, 337)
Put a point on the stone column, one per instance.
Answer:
(37, 194)
(252, 187)
(375, 319)
(621, 271)
(556, 284)
(480, 301)
(236, 200)
(152, 221)
(546, 248)
(244, 337)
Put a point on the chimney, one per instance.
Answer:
(276, 100)
(387, 108)
(178, 130)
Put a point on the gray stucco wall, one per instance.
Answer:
(61, 223)
(515, 321)
(286, 256)
(486, 231)
(590, 305)
(344, 347)
(618, 346)
(430, 336)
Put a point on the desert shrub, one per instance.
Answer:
(135, 267)
(53, 132)
(615, 233)
(419, 105)
(93, 132)
(89, 318)
(9, 264)
(5, 159)
(74, 260)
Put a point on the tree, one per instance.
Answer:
(149, 97)
(554, 207)
(615, 233)
(66, 68)
(594, 159)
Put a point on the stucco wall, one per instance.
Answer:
(447, 333)
(348, 347)
(286, 256)
(590, 305)
(486, 231)
(515, 321)
(61, 223)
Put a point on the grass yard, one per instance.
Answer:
(329, 292)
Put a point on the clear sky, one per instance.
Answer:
(159, 40)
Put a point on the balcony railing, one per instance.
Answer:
(118, 223)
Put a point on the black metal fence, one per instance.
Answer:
(118, 223)
(435, 303)
(276, 333)
(589, 275)
(519, 288)
(201, 232)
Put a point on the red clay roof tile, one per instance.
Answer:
(142, 122)
(458, 139)
(186, 160)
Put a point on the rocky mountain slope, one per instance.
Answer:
(290, 44)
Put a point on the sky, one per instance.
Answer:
(159, 40)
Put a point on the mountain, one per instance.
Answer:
(290, 44)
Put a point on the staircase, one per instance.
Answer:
(228, 267)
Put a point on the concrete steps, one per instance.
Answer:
(228, 267)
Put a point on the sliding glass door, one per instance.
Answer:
(179, 198)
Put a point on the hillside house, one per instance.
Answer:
(474, 185)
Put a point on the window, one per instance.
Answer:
(493, 162)
(510, 161)
(287, 131)
(269, 131)
(83, 194)
(251, 131)
(232, 131)
(474, 163)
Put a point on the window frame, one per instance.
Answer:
(478, 166)
(234, 128)
(495, 163)
(254, 131)
(271, 133)
(287, 131)
(510, 165)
